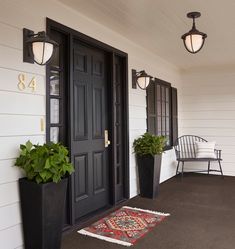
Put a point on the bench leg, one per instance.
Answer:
(177, 168)
(182, 171)
(209, 165)
(220, 168)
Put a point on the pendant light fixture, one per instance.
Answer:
(194, 39)
(38, 47)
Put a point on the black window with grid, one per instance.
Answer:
(162, 110)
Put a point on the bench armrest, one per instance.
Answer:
(218, 153)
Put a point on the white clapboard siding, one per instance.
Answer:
(137, 123)
(133, 172)
(10, 216)
(209, 90)
(133, 187)
(208, 110)
(194, 98)
(229, 158)
(9, 193)
(13, 59)
(137, 100)
(205, 123)
(136, 133)
(214, 165)
(137, 112)
(228, 167)
(11, 237)
(136, 91)
(14, 125)
(207, 115)
(132, 158)
(10, 79)
(224, 132)
(209, 106)
(12, 36)
(9, 172)
(227, 149)
(11, 145)
(19, 103)
(220, 141)
(216, 79)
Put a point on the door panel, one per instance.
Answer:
(98, 159)
(80, 114)
(90, 120)
(98, 112)
(81, 188)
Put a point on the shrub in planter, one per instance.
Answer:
(43, 192)
(148, 149)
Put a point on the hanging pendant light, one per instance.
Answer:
(194, 39)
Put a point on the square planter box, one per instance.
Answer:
(149, 168)
(42, 208)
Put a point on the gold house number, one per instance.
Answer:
(22, 83)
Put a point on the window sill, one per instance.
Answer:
(168, 148)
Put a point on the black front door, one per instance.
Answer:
(89, 122)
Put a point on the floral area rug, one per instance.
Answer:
(124, 226)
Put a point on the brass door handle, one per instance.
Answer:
(106, 139)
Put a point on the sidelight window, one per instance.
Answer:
(57, 92)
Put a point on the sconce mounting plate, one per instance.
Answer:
(193, 14)
(27, 55)
(134, 78)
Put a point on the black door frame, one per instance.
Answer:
(112, 52)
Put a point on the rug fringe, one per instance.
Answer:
(147, 211)
(84, 232)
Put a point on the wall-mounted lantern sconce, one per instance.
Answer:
(194, 39)
(38, 47)
(141, 78)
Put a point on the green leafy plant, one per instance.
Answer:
(44, 163)
(149, 144)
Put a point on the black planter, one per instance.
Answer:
(42, 208)
(149, 168)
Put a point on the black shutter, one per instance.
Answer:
(174, 108)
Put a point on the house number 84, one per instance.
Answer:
(22, 83)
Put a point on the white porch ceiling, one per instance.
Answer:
(158, 25)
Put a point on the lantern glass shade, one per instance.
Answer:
(38, 47)
(194, 42)
(143, 81)
(42, 52)
(194, 39)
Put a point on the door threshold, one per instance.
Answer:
(93, 217)
(86, 220)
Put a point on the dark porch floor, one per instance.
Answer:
(202, 212)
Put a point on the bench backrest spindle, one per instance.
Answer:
(185, 146)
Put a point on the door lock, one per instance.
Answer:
(106, 139)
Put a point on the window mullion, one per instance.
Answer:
(156, 110)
